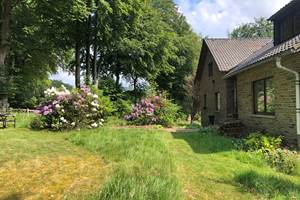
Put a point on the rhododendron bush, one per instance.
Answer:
(63, 109)
(153, 110)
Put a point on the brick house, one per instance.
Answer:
(257, 86)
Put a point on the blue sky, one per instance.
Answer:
(215, 18)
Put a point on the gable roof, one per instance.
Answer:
(287, 9)
(230, 52)
(265, 53)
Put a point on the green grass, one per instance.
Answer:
(210, 167)
(143, 166)
(136, 164)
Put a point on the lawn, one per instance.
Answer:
(134, 163)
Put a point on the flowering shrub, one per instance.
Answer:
(283, 160)
(153, 110)
(63, 109)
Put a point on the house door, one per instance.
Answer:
(235, 99)
(211, 120)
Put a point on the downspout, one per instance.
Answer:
(279, 65)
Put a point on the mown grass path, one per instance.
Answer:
(41, 165)
(135, 164)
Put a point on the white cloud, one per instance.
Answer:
(215, 18)
(64, 77)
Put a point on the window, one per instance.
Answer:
(218, 101)
(210, 70)
(264, 97)
(205, 101)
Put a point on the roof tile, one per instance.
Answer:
(265, 53)
(230, 52)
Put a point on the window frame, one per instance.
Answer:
(254, 98)
(218, 101)
(210, 69)
(205, 101)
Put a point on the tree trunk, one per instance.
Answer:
(77, 64)
(4, 48)
(5, 30)
(135, 80)
(88, 52)
(95, 68)
(117, 79)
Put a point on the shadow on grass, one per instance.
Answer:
(14, 196)
(205, 143)
(268, 185)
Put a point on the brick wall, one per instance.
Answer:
(284, 120)
(209, 86)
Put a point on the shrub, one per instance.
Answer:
(153, 110)
(36, 124)
(63, 109)
(259, 142)
(283, 160)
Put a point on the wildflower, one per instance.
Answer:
(95, 96)
(94, 110)
(73, 124)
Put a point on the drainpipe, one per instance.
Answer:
(279, 65)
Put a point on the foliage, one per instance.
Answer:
(260, 28)
(153, 110)
(283, 160)
(260, 142)
(63, 109)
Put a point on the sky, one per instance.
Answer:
(214, 18)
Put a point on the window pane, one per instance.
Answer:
(259, 96)
(270, 96)
(210, 69)
(218, 101)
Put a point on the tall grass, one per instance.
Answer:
(143, 167)
(269, 185)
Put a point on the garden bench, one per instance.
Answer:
(7, 118)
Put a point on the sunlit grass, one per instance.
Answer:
(210, 168)
(42, 165)
(115, 163)
(143, 166)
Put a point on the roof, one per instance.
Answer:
(287, 9)
(230, 52)
(267, 52)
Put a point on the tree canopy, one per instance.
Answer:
(260, 28)
(139, 40)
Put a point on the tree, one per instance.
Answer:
(184, 52)
(260, 28)
(6, 14)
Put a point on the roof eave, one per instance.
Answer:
(285, 53)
